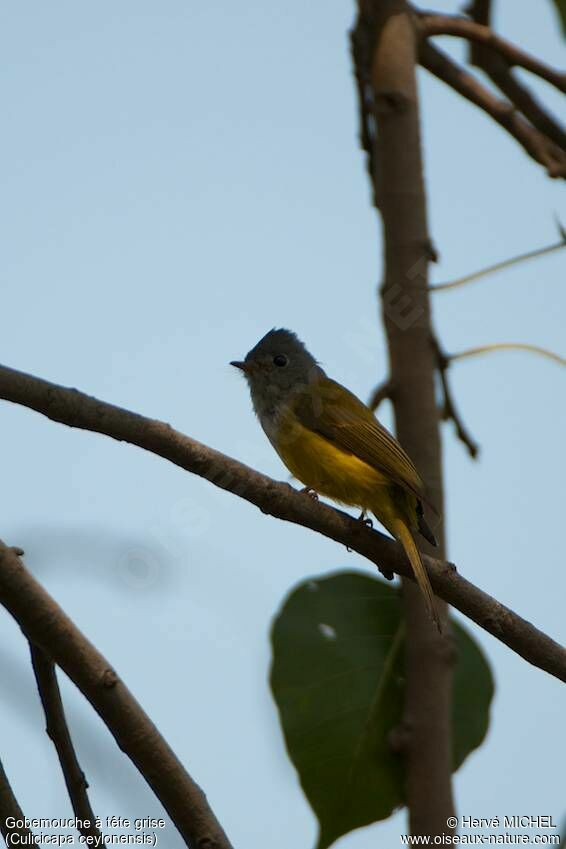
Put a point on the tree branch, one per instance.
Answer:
(508, 346)
(525, 101)
(499, 70)
(399, 183)
(9, 808)
(538, 146)
(384, 391)
(58, 732)
(70, 407)
(435, 24)
(365, 131)
(47, 626)
(449, 408)
(500, 266)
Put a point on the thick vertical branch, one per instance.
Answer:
(426, 736)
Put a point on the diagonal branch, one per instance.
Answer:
(525, 101)
(58, 732)
(499, 70)
(436, 24)
(11, 811)
(21, 594)
(538, 146)
(46, 625)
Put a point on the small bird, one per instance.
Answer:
(332, 442)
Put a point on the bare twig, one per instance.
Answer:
(500, 266)
(11, 811)
(435, 24)
(381, 393)
(47, 626)
(58, 732)
(538, 146)
(357, 49)
(71, 407)
(449, 410)
(508, 346)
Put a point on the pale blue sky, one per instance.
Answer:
(177, 178)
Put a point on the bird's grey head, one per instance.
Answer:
(278, 366)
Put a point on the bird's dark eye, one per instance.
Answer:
(280, 360)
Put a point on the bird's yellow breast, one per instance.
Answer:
(322, 466)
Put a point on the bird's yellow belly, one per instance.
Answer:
(322, 466)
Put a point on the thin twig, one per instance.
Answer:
(449, 410)
(26, 600)
(10, 810)
(58, 732)
(357, 49)
(498, 266)
(381, 393)
(435, 24)
(538, 146)
(509, 346)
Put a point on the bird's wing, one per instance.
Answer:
(336, 414)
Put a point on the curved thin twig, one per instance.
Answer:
(58, 732)
(19, 592)
(498, 266)
(509, 346)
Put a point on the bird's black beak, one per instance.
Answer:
(239, 364)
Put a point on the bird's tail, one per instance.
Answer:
(405, 537)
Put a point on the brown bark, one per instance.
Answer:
(426, 736)
(10, 810)
(504, 113)
(47, 626)
(58, 732)
(480, 33)
(75, 409)
(499, 68)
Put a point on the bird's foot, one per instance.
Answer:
(312, 493)
(365, 520)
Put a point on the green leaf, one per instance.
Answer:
(337, 679)
(560, 6)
